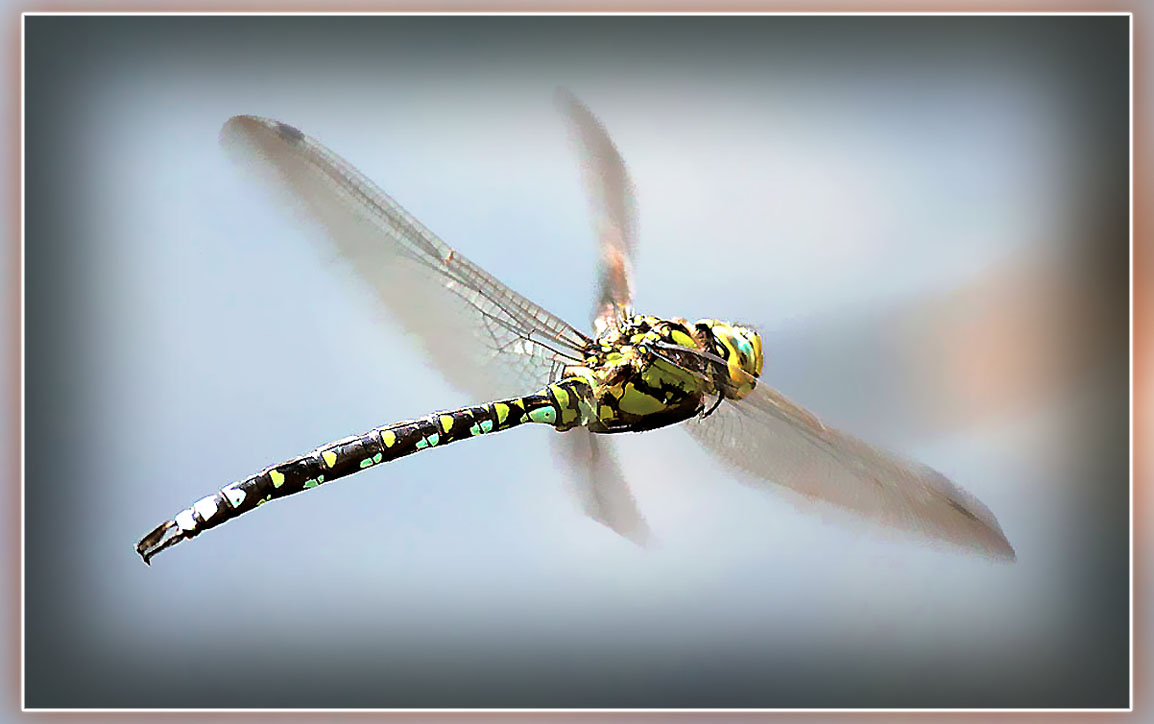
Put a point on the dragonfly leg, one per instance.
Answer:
(716, 404)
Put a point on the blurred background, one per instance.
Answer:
(926, 217)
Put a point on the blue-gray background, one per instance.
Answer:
(818, 177)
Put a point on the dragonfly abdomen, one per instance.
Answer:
(559, 405)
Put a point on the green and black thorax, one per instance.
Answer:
(644, 374)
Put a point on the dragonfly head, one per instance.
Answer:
(740, 347)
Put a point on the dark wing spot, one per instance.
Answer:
(289, 133)
(963, 510)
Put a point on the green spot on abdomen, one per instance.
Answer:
(434, 439)
(310, 483)
(545, 415)
(369, 462)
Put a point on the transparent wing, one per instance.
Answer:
(599, 484)
(610, 195)
(775, 442)
(597, 480)
(486, 338)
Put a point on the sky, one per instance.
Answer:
(847, 185)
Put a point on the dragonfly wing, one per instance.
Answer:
(485, 337)
(600, 485)
(597, 479)
(775, 442)
(610, 193)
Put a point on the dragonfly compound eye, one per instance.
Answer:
(752, 342)
(740, 347)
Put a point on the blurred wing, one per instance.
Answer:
(956, 358)
(773, 441)
(610, 195)
(484, 337)
(597, 479)
(599, 484)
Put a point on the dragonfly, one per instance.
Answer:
(632, 373)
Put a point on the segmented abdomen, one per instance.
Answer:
(559, 405)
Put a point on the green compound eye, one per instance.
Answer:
(744, 347)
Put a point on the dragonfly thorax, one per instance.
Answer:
(648, 372)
